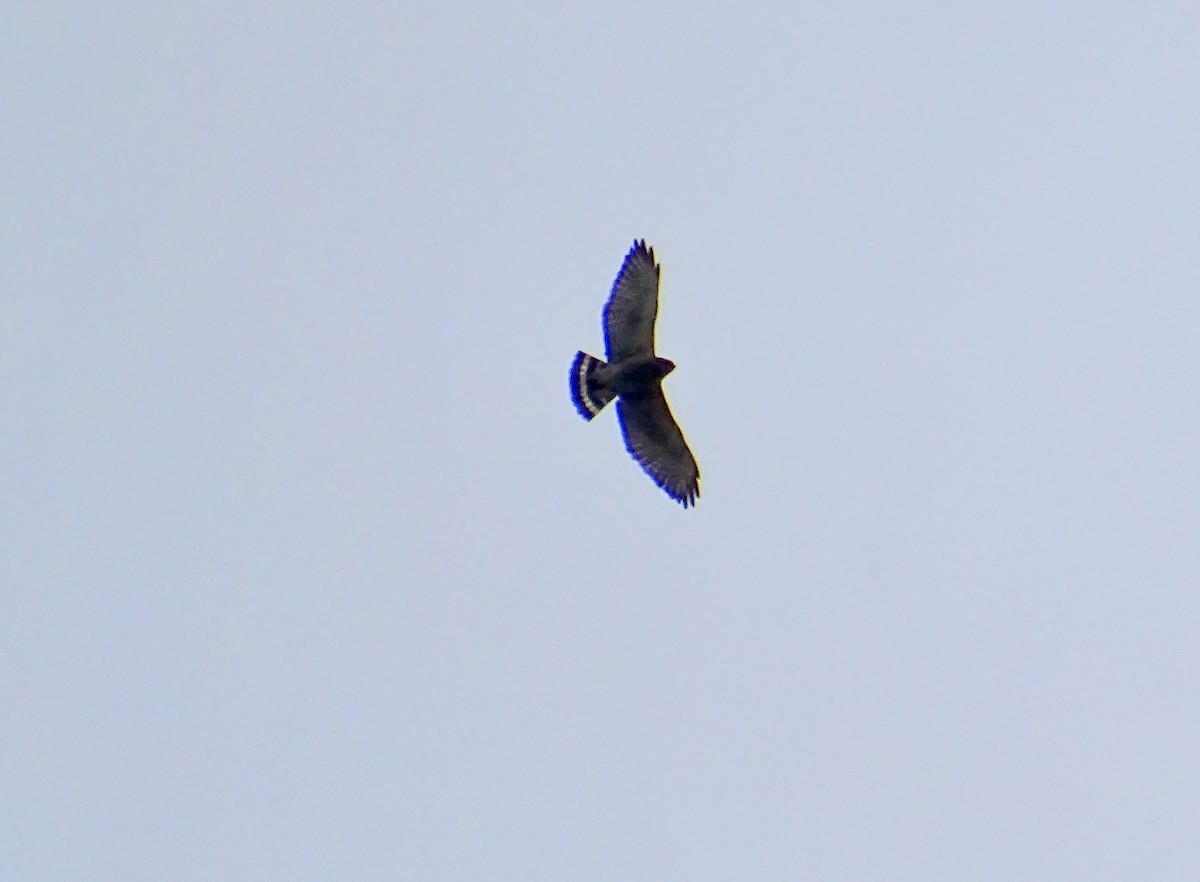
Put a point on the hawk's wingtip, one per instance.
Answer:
(640, 246)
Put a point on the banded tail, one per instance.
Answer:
(588, 394)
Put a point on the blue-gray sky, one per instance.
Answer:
(310, 570)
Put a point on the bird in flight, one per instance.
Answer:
(633, 375)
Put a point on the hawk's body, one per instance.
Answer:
(633, 375)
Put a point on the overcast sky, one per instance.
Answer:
(309, 569)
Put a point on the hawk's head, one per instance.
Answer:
(665, 365)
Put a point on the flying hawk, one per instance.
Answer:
(633, 375)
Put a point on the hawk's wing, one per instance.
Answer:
(632, 306)
(655, 441)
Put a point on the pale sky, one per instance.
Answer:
(310, 570)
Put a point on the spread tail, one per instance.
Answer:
(589, 395)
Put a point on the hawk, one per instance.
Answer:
(633, 375)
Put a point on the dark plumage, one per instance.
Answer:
(633, 374)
